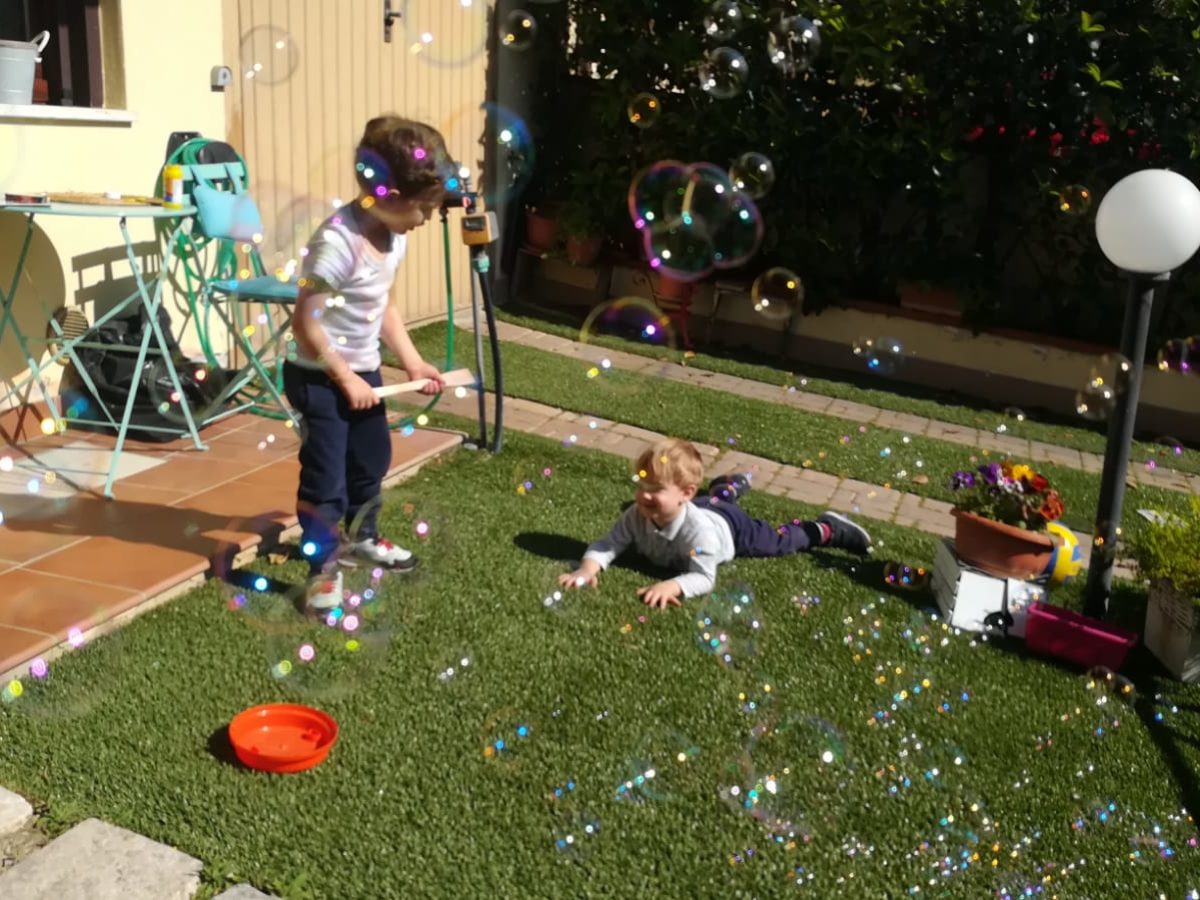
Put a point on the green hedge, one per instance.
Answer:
(930, 143)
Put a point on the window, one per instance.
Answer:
(71, 71)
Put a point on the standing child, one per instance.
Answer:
(673, 527)
(341, 315)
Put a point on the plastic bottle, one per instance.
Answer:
(173, 186)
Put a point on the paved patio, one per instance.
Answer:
(70, 559)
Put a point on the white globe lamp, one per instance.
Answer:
(1149, 222)
(1148, 225)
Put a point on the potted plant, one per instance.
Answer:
(1167, 556)
(1000, 515)
(542, 226)
(583, 227)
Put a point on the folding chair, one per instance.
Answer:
(226, 214)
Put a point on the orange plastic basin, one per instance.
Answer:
(282, 737)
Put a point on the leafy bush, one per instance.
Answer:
(933, 141)
(1170, 550)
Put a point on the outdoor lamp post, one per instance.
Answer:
(1148, 225)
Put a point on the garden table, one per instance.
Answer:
(148, 295)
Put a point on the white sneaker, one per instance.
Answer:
(380, 552)
(324, 593)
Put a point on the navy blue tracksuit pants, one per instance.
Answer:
(754, 537)
(344, 457)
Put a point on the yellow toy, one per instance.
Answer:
(1067, 559)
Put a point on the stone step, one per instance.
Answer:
(15, 812)
(243, 892)
(98, 861)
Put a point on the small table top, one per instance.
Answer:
(87, 210)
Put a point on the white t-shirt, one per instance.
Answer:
(360, 278)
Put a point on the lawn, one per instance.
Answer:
(989, 778)
(885, 456)
(1019, 420)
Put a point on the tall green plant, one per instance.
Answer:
(934, 140)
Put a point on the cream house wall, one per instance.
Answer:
(158, 55)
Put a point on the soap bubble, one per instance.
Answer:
(793, 43)
(574, 831)
(1096, 399)
(724, 73)
(203, 389)
(883, 355)
(1074, 200)
(518, 31)
(724, 20)
(455, 666)
(1180, 355)
(651, 773)
(63, 683)
(632, 318)
(679, 248)
(753, 174)
(706, 198)
(1013, 412)
(728, 627)
(758, 695)
(269, 55)
(506, 736)
(738, 239)
(446, 34)
(515, 150)
(644, 110)
(332, 658)
(777, 294)
(1107, 687)
(789, 778)
(651, 189)
(905, 577)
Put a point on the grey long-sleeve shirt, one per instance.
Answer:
(694, 544)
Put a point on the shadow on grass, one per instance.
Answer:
(560, 548)
(220, 748)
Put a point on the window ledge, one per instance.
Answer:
(65, 114)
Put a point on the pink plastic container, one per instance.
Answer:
(1058, 632)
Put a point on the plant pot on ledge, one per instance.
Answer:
(1004, 551)
(583, 251)
(1166, 555)
(541, 228)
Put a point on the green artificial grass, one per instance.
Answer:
(777, 432)
(130, 728)
(897, 396)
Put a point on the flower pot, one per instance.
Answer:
(1171, 633)
(939, 301)
(669, 288)
(1063, 634)
(541, 229)
(583, 251)
(1001, 550)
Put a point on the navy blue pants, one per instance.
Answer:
(754, 537)
(344, 457)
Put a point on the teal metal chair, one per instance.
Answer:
(227, 228)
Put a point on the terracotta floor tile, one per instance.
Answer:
(52, 605)
(18, 646)
(188, 471)
(143, 567)
(283, 475)
(420, 445)
(245, 501)
(26, 535)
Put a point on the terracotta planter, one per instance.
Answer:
(583, 251)
(672, 289)
(541, 230)
(938, 301)
(1001, 550)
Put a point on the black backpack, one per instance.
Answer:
(114, 371)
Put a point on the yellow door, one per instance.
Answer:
(309, 74)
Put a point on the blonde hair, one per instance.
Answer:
(671, 461)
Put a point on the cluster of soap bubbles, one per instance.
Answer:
(693, 218)
(1181, 355)
(1095, 400)
(880, 355)
(793, 43)
(41, 692)
(728, 628)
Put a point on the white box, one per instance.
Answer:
(967, 596)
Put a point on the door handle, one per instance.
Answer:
(389, 16)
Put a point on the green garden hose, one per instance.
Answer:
(192, 252)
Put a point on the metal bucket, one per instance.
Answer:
(18, 61)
